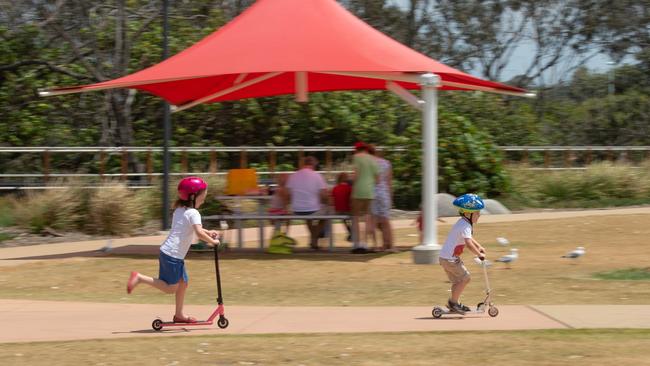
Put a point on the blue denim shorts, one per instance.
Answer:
(171, 269)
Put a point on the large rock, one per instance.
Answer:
(495, 207)
(446, 206)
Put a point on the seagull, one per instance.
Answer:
(576, 253)
(503, 241)
(108, 247)
(509, 258)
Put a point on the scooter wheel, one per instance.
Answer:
(493, 311)
(436, 312)
(222, 323)
(157, 325)
(480, 307)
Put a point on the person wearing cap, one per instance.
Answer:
(366, 175)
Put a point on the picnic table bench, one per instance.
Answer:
(261, 218)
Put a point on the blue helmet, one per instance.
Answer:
(469, 203)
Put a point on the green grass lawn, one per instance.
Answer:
(540, 276)
(629, 274)
(521, 348)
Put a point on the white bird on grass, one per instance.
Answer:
(503, 241)
(575, 254)
(108, 247)
(509, 258)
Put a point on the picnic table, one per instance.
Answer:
(238, 218)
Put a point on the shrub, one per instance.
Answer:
(114, 211)
(600, 185)
(6, 213)
(55, 208)
(468, 161)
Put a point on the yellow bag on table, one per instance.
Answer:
(241, 182)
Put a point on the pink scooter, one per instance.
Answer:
(222, 323)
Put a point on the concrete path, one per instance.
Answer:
(599, 316)
(51, 320)
(28, 321)
(27, 253)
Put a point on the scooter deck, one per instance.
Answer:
(200, 322)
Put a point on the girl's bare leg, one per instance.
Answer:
(155, 282)
(180, 298)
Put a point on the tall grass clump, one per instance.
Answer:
(114, 210)
(600, 185)
(56, 208)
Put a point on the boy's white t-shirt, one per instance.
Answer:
(181, 235)
(455, 242)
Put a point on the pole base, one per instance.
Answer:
(426, 254)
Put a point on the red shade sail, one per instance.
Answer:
(289, 46)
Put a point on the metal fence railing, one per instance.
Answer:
(572, 157)
(529, 157)
(40, 176)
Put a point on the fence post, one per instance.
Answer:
(213, 162)
(609, 155)
(624, 157)
(567, 158)
(547, 158)
(149, 166)
(301, 156)
(588, 157)
(125, 163)
(242, 159)
(184, 165)
(272, 162)
(328, 162)
(46, 165)
(524, 158)
(102, 164)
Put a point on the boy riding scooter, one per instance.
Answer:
(460, 236)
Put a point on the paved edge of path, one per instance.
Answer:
(33, 321)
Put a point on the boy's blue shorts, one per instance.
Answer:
(171, 269)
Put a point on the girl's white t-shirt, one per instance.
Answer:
(181, 235)
(455, 243)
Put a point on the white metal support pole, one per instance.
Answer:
(427, 251)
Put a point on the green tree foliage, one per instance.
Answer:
(468, 161)
(45, 44)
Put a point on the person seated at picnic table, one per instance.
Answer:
(280, 202)
(307, 189)
(341, 194)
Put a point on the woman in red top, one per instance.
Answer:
(341, 199)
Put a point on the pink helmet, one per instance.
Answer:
(190, 185)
